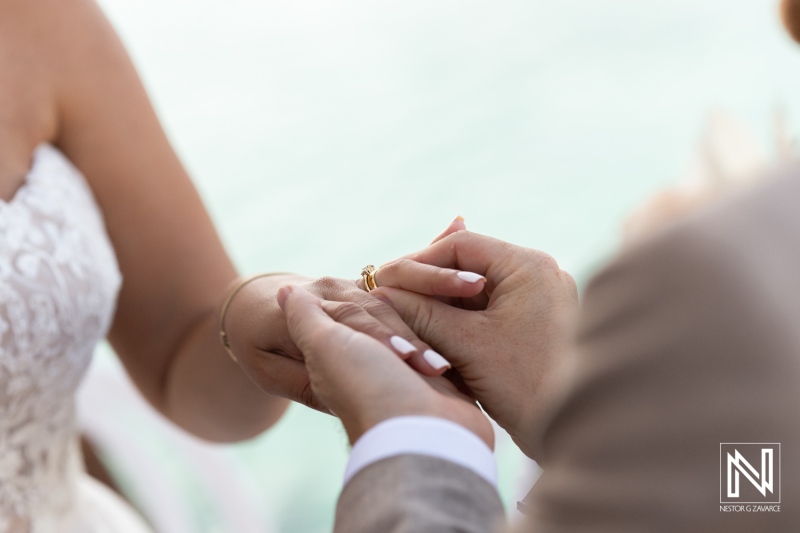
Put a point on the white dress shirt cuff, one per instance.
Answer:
(422, 435)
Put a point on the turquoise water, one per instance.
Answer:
(328, 135)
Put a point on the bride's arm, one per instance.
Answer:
(175, 269)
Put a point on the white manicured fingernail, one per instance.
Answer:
(435, 360)
(470, 277)
(402, 345)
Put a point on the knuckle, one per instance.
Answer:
(569, 283)
(391, 266)
(475, 240)
(434, 280)
(326, 285)
(386, 273)
(463, 234)
(346, 311)
(459, 235)
(389, 274)
(306, 395)
(404, 262)
(546, 262)
(454, 240)
(400, 265)
(376, 308)
(418, 317)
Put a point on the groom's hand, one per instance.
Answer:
(361, 380)
(506, 341)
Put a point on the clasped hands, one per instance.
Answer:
(502, 326)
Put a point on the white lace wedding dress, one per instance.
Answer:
(58, 287)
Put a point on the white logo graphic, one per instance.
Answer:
(737, 461)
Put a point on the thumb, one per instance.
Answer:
(321, 340)
(457, 224)
(308, 324)
(445, 328)
(336, 354)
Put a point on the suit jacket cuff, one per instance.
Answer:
(422, 435)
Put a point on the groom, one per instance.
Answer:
(683, 343)
(686, 345)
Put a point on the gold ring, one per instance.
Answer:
(368, 275)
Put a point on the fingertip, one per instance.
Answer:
(429, 363)
(454, 225)
(467, 284)
(402, 346)
(471, 277)
(283, 295)
(436, 361)
(457, 224)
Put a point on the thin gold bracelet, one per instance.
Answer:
(223, 335)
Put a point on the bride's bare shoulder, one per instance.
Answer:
(48, 20)
(50, 52)
(51, 32)
(28, 39)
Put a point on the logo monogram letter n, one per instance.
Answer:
(738, 464)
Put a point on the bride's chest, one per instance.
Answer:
(58, 284)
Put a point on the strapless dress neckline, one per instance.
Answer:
(45, 150)
(59, 281)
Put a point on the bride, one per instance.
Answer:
(103, 235)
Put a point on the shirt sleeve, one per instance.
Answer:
(422, 435)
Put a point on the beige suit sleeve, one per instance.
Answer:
(686, 342)
(414, 494)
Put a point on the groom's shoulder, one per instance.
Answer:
(751, 233)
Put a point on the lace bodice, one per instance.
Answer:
(58, 286)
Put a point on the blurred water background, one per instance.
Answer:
(327, 135)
